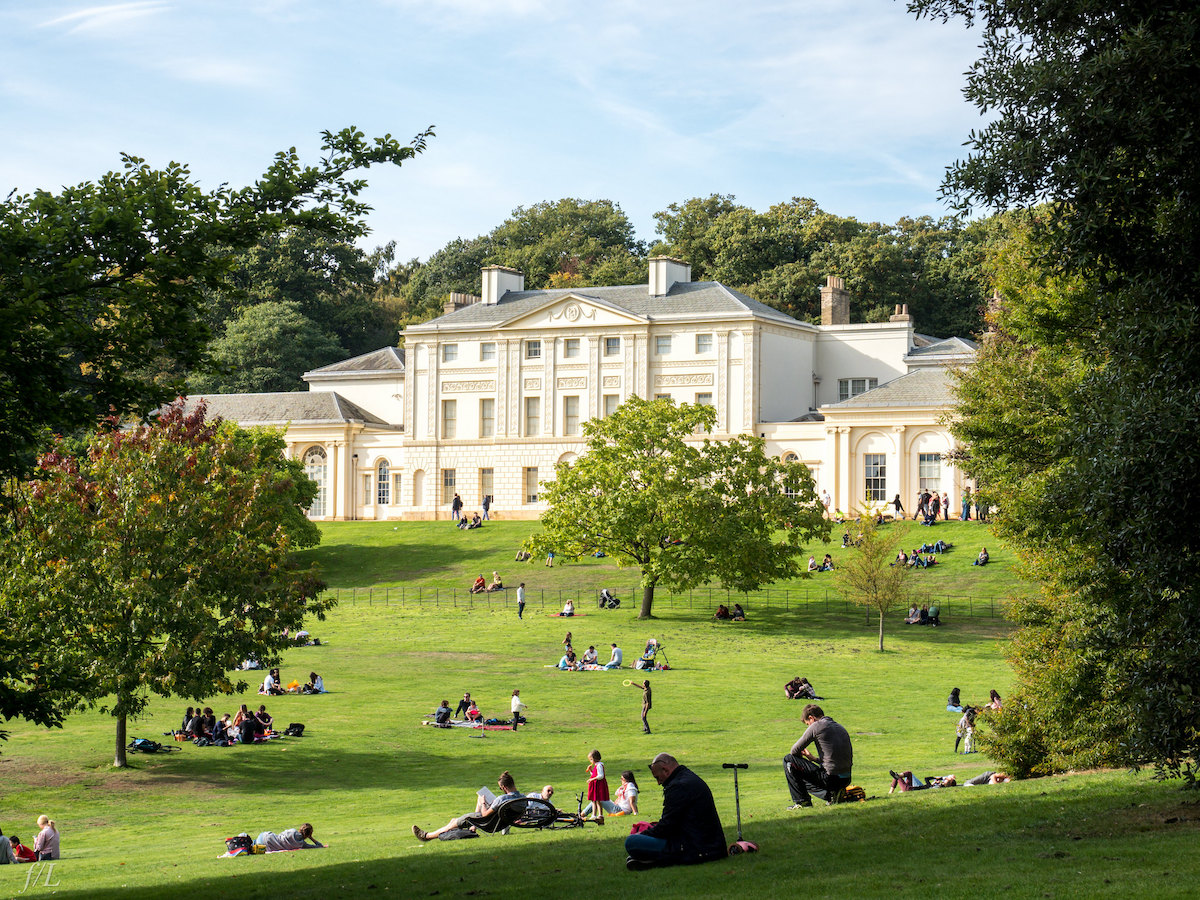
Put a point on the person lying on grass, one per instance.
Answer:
(291, 839)
(483, 810)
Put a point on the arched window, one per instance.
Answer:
(315, 467)
(383, 484)
(790, 457)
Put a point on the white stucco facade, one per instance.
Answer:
(487, 398)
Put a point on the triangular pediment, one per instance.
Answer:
(574, 310)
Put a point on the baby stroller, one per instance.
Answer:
(607, 600)
(527, 812)
(649, 658)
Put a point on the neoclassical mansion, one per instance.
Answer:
(486, 398)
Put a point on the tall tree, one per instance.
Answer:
(267, 348)
(1094, 116)
(869, 575)
(103, 286)
(159, 562)
(683, 510)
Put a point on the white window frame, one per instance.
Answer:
(852, 387)
(487, 351)
(570, 348)
(612, 346)
(531, 484)
(662, 345)
(449, 352)
(449, 420)
(571, 415)
(533, 349)
(704, 342)
(875, 477)
(533, 417)
(383, 483)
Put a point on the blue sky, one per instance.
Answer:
(851, 102)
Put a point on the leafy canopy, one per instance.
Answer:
(157, 563)
(685, 510)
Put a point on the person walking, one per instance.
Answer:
(456, 506)
(487, 504)
(826, 774)
(521, 600)
(517, 706)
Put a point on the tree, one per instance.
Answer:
(683, 510)
(869, 576)
(158, 563)
(1094, 122)
(267, 348)
(103, 287)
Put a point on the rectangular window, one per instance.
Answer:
(533, 416)
(704, 400)
(396, 487)
(852, 387)
(487, 350)
(612, 346)
(570, 415)
(662, 345)
(875, 473)
(487, 417)
(533, 349)
(448, 482)
(662, 396)
(571, 348)
(486, 478)
(929, 471)
(611, 402)
(704, 343)
(449, 352)
(531, 485)
(449, 419)
(367, 479)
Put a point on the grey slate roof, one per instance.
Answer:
(388, 360)
(686, 298)
(295, 407)
(924, 387)
(953, 346)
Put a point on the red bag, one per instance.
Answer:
(639, 827)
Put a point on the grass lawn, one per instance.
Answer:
(366, 770)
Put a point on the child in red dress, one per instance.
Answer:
(597, 786)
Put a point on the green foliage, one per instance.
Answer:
(158, 563)
(1094, 116)
(104, 286)
(683, 511)
(267, 348)
(869, 575)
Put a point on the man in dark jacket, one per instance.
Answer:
(689, 830)
(826, 774)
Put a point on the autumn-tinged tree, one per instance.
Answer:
(157, 563)
(869, 574)
(685, 510)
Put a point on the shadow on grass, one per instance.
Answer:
(1060, 837)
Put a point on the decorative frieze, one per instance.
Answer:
(564, 383)
(468, 387)
(533, 384)
(697, 378)
(573, 312)
(612, 381)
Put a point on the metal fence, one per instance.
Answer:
(802, 599)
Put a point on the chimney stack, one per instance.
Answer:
(498, 281)
(901, 314)
(835, 302)
(458, 301)
(666, 272)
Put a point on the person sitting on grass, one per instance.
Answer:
(568, 608)
(982, 558)
(827, 564)
(624, 802)
(316, 684)
(441, 715)
(569, 662)
(291, 839)
(484, 809)
(270, 685)
(924, 615)
(473, 714)
(264, 719)
(590, 657)
(722, 613)
(615, 658)
(739, 614)
(914, 615)
(223, 730)
(476, 522)
(812, 560)
(21, 853)
(497, 584)
(480, 585)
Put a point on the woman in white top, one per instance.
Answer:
(624, 802)
(569, 608)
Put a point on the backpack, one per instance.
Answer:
(296, 729)
(239, 842)
(853, 792)
(144, 745)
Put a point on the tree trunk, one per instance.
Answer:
(881, 631)
(647, 600)
(119, 759)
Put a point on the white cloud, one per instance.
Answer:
(95, 18)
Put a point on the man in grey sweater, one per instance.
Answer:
(826, 774)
